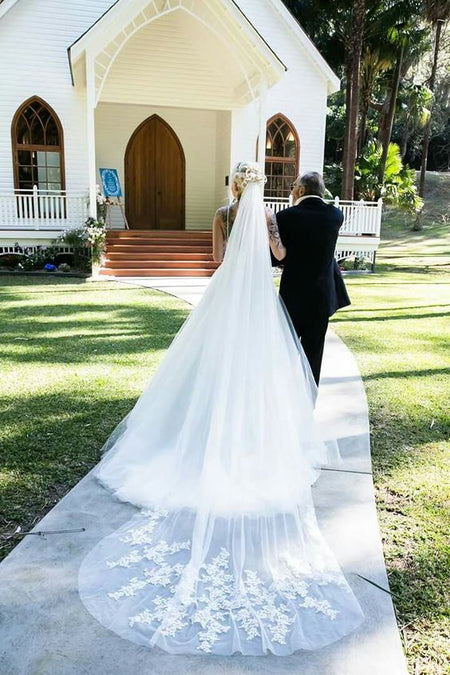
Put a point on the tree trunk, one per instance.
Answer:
(366, 96)
(404, 141)
(387, 132)
(351, 131)
(426, 135)
(348, 102)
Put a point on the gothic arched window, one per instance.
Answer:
(282, 154)
(38, 151)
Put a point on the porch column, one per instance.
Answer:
(90, 109)
(262, 123)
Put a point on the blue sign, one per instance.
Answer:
(110, 182)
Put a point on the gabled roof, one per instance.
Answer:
(102, 42)
(281, 9)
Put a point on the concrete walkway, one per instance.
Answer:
(45, 630)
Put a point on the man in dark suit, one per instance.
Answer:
(311, 285)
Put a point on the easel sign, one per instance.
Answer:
(111, 189)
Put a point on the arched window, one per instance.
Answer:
(282, 153)
(38, 152)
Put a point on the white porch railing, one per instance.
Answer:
(41, 210)
(360, 218)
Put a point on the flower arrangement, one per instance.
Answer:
(102, 205)
(95, 235)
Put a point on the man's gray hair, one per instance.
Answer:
(312, 183)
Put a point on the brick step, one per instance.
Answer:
(161, 245)
(156, 272)
(165, 248)
(157, 234)
(113, 254)
(162, 264)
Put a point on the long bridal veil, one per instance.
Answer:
(220, 453)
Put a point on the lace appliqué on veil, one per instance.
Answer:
(212, 597)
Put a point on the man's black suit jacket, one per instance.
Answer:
(311, 284)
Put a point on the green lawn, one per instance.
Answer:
(398, 329)
(74, 358)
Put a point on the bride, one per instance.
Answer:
(220, 453)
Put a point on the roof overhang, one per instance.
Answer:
(5, 6)
(103, 41)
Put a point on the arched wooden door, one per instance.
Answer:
(155, 177)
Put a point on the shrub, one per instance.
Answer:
(399, 181)
(37, 259)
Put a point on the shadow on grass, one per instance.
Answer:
(388, 308)
(399, 374)
(116, 329)
(386, 316)
(50, 442)
(418, 581)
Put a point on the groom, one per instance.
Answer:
(311, 285)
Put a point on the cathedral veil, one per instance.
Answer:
(220, 453)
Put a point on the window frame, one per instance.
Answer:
(19, 147)
(283, 160)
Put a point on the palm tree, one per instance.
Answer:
(437, 13)
(353, 48)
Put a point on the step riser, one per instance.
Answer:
(164, 235)
(142, 256)
(134, 264)
(156, 273)
(160, 248)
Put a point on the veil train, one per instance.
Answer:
(220, 453)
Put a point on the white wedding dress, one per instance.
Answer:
(220, 453)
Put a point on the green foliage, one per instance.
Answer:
(332, 174)
(91, 237)
(36, 259)
(399, 181)
(356, 263)
(75, 238)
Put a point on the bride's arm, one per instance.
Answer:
(218, 237)
(276, 245)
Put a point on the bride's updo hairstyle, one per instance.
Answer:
(245, 173)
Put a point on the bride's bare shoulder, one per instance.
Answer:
(222, 212)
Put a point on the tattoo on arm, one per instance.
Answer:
(274, 233)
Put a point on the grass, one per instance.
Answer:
(398, 329)
(74, 358)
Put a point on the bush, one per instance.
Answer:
(64, 267)
(76, 239)
(399, 181)
(10, 260)
(356, 263)
(36, 260)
